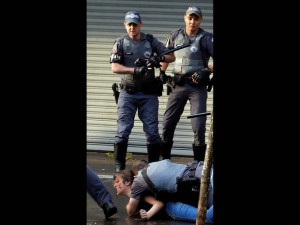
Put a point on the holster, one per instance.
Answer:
(188, 188)
(188, 191)
(169, 89)
(116, 92)
(178, 79)
(129, 88)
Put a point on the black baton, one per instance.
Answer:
(198, 114)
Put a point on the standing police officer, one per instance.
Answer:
(139, 87)
(191, 77)
(99, 193)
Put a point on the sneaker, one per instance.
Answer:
(109, 209)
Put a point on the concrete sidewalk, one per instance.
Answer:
(103, 165)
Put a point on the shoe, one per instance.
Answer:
(109, 209)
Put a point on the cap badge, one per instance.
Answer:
(132, 16)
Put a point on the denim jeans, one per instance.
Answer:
(210, 215)
(184, 212)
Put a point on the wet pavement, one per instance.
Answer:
(103, 165)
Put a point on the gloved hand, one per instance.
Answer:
(201, 76)
(170, 81)
(139, 72)
(163, 76)
(166, 79)
(154, 61)
(140, 62)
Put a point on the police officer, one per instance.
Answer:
(139, 87)
(159, 179)
(99, 193)
(190, 80)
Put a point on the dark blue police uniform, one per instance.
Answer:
(137, 94)
(188, 61)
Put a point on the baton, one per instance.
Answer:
(198, 114)
(175, 49)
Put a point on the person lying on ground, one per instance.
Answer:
(175, 210)
(136, 188)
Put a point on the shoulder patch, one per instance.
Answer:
(115, 48)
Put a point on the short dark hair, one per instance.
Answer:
(138, 165)
(125, 175)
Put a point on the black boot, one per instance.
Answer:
(109, 209)
(166, 150)
(153, 152)
(120, 155)
(199, 152)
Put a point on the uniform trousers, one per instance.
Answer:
(147, 107)
(96, 188)
(197, 96)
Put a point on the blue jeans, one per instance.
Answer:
(210, 215)
(96, 188)
(184, 212)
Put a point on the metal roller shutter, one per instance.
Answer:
(104, 24)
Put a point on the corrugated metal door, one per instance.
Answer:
(104, 24)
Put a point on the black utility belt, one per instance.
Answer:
(187, 80)
(151, 88)
(131, 88)
(183, 79)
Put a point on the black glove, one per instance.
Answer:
(170, 81)
(201, 76)
(140, 62)
(163, 76)
(139, 72)
(154, 61)
(166, 79)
